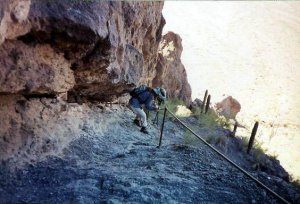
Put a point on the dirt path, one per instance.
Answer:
(125, 166)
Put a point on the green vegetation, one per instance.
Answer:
(212, 119)
(172, 104)
(244, 144)
(258, 153)
(295, 182)
(210, 125)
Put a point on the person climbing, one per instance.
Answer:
(147, 97)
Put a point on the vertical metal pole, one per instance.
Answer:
(162, 127)
(254, 130)
(207, 104)
(204, 100)
(234, 129)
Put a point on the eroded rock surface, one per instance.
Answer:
(33, 69)
(229, 107)
(13, 16)
(32, 129)
(110, 46)
(52, 150)
(171, 73)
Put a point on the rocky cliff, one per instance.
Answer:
(55, 53)
(171, 72)
(92, 49)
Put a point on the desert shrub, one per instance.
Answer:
(209, 138)
(243, 144)
(208, 120)
(173, 103)
(211, 119)
(295, 182)
(224, 122)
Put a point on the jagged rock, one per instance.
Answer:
(66, 152)
(33, 70)
(197, 103)
(32, 129)
(229, 107)
(13, 16)
(170, 72)
(111, 46)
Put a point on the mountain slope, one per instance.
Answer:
(112, 161)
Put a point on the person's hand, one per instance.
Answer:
(157, 108)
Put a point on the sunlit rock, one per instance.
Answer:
(170, 72)
(228, 107)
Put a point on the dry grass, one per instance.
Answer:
(172, 104)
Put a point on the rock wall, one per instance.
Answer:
(35, 128)
(93, 49)
(13, 17)
(85, 50)
(54, 53)
(171, 73)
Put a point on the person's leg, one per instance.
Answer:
(137, 119)
(140, 114)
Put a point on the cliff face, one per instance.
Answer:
(171, 72)
(92, 49)
(54, 53)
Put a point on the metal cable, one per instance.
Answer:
(231, 162)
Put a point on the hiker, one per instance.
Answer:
(145, 96)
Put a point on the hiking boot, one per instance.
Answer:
(137, 122)
(144, 130)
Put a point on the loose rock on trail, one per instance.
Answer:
(124, 165)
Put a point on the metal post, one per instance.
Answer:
(162, 127)
(254, 130)
(234, 129)
(204, 100)
(207, 104)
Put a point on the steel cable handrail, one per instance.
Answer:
(220, 154)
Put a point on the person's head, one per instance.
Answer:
(160, 93)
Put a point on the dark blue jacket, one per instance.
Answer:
(146, 98)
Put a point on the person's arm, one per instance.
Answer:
(151, 105)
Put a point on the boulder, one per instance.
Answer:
(228, 107)
(197, 103)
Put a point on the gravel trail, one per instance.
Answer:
(125, 166)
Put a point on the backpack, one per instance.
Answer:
(138, 90)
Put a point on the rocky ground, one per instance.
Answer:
(113, 162)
